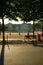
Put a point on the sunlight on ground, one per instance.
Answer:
(23, 55)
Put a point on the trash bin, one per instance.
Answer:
(38, 37)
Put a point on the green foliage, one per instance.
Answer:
(31, 10)
(37, 26)
(25, 9)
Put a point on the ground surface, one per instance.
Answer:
(21, 54)
(16, 36)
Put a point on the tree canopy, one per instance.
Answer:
(31, 10)
(8, 8)
(25, 9)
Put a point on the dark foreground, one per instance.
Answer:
(21, 54)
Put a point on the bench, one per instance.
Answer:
(30, 36)
(26, 37)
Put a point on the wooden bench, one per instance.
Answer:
(26, 37)
(30, 36)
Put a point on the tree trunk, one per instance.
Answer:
(42, 28)
(33, 28)
(3, 30)
(0, 32)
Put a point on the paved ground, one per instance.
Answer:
(21, 54)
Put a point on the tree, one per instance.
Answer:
(19, 28)
(27, 10)
(41, 20)
(32, 10)
(8, 8)
(37, 25)
(26, 13)
(11, 9)
(37, 8)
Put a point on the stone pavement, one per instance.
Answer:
(21, 54)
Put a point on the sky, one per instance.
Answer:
(6, 21)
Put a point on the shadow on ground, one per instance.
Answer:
(2, 53)
(34, 43)
(37, 43)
